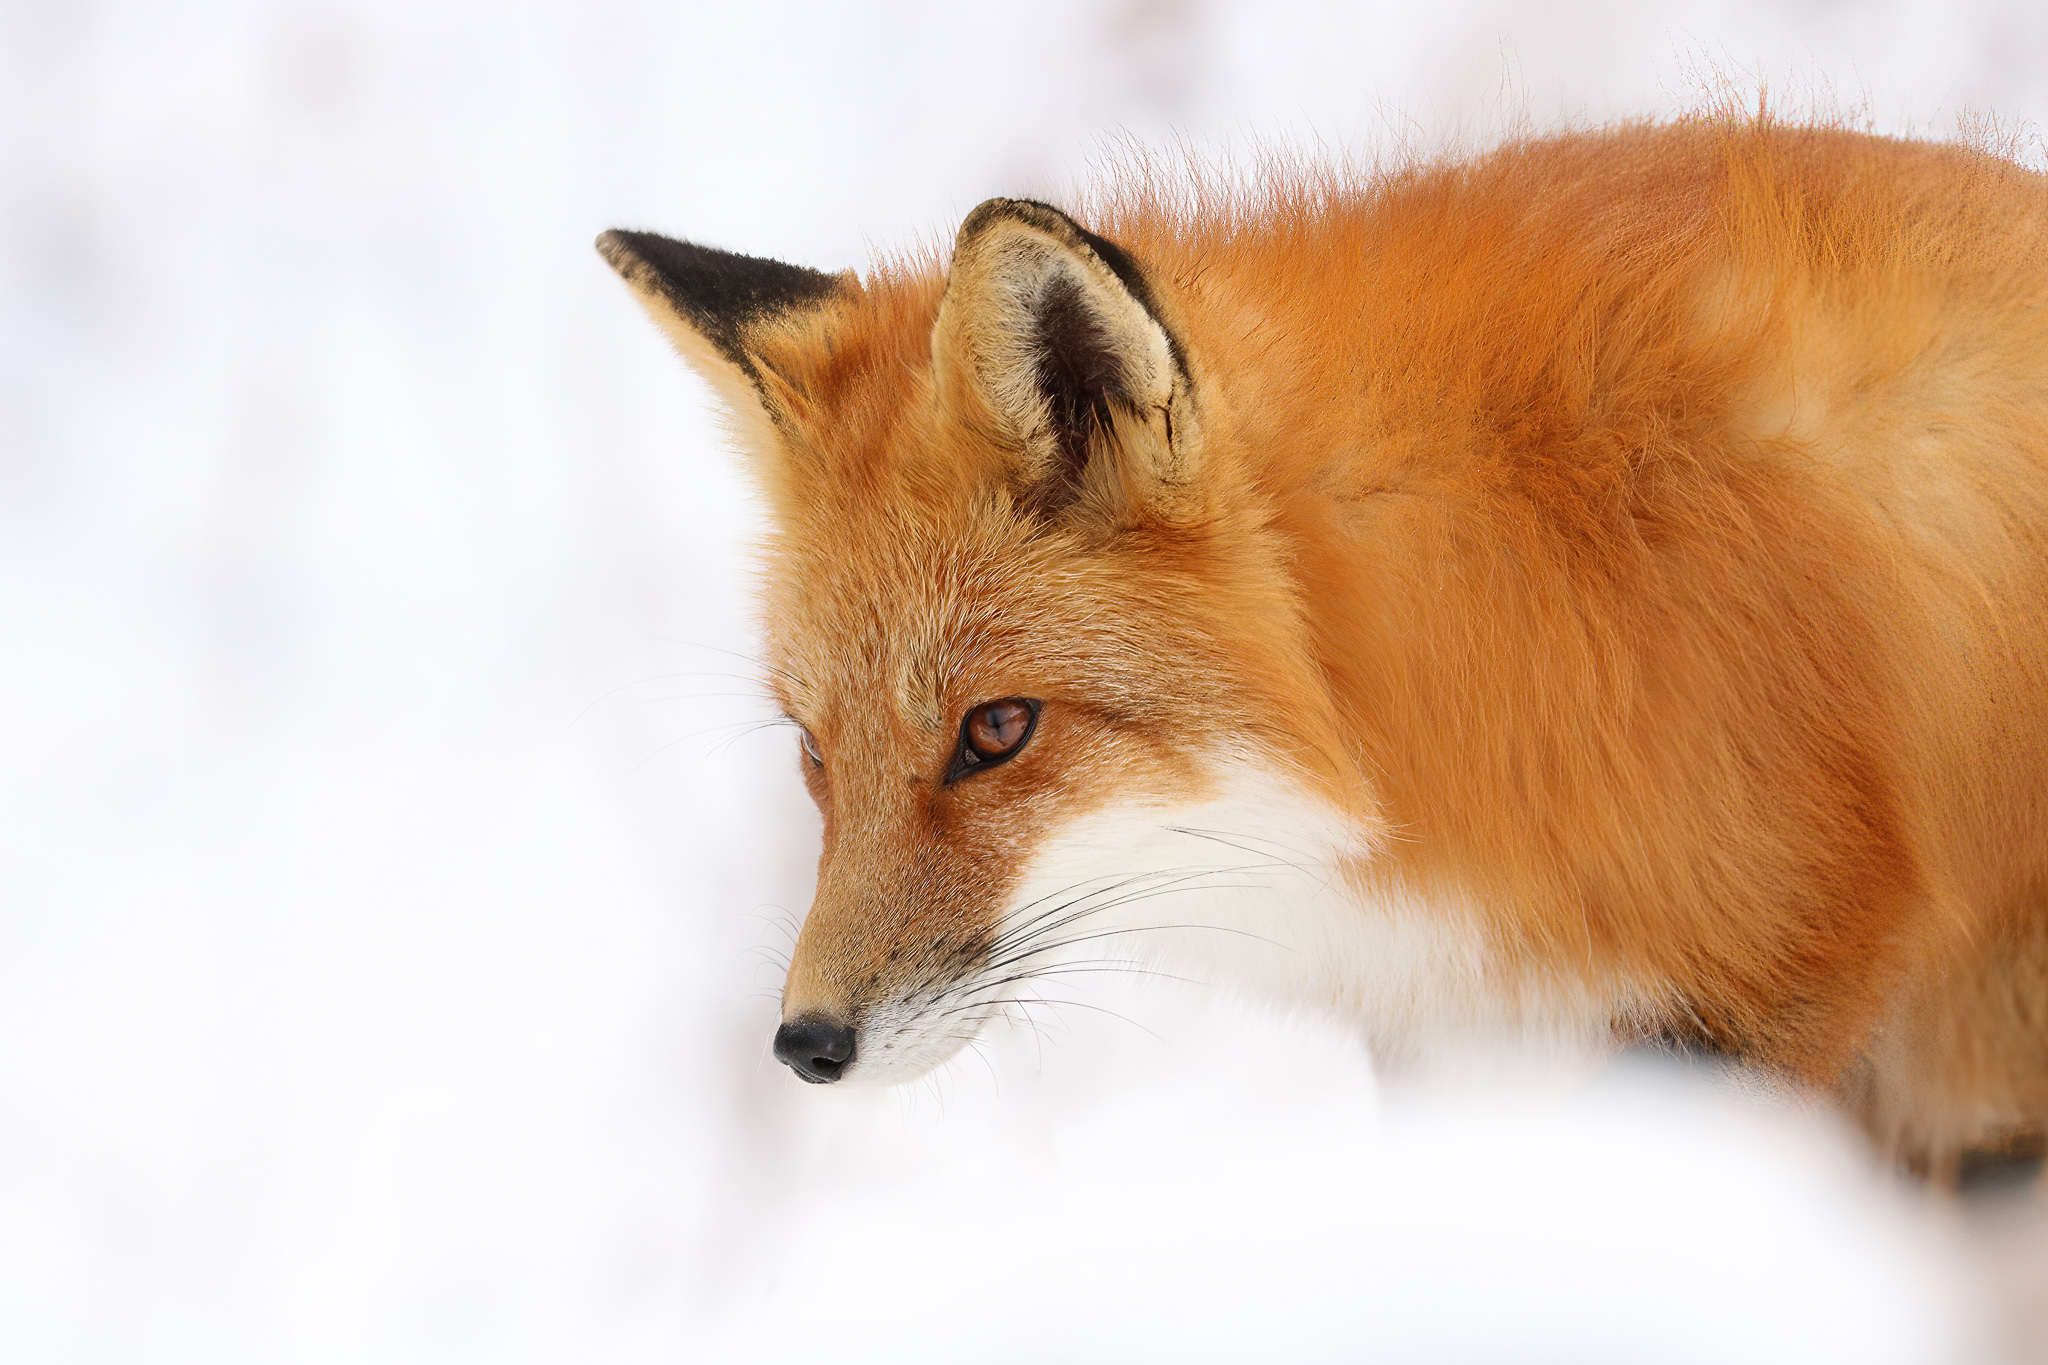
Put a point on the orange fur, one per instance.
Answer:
(1645, 531)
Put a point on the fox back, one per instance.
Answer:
(1584, 595)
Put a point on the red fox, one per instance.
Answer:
(1589, 594)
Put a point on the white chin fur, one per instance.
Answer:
(901, 1041)
(1247, 889)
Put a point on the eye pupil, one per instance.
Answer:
(992, 733)
(997, 728)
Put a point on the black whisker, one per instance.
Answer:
(741, 729)
(1077, 1004)
(1307, 865)
(603, 697)
(759, 663)
(1033, 951)
(1246, 843)
(1180, 876)
(1047, 973)
(705, 696)
(1076, 900)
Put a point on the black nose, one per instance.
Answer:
(817, 1050)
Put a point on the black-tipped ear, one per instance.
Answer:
(710, 302)
(1051, 338)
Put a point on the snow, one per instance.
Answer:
(389, 877)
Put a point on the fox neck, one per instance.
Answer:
(1265, 886)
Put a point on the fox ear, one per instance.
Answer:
(717, 306)
(1049, 340)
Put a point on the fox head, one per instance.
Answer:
(1025, 601)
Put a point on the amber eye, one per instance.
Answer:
(993, 733)
(809, 742)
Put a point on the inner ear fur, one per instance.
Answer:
(1050, 343)
(718, 307)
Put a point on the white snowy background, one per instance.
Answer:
(389, 878)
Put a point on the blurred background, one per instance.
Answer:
(391, 869)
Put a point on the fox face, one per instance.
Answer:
(1009, 613)
(1582, 596)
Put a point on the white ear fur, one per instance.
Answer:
(1045, 334)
